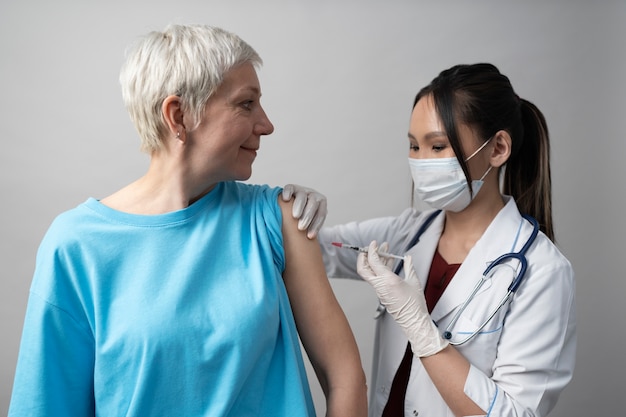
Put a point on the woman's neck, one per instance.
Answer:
(463, 229)
(167, 186)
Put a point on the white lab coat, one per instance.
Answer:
(524, 357)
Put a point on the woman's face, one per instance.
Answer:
(427, 138)
(224, 145)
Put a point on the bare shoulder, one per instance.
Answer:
(295, 240)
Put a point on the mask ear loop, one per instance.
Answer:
(486, 172)
(472, 155)
(479, 149)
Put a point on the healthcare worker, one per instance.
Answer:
(454, 337)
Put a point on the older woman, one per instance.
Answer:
(180, 293)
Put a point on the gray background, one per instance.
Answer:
(338, 82)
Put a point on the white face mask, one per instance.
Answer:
(441, 183)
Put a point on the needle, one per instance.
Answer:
(356, 248)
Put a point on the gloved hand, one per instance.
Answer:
(404, 300)
(309, 208)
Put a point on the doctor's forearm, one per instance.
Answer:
(448, 370)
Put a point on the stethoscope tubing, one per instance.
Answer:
(521, 257)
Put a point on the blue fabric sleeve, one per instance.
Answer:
(64, 387)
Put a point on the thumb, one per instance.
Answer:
(288, 191)
(363, 267)
(378, 265)
(409, 272)
(384, 247)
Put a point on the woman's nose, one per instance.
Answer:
(265, 126)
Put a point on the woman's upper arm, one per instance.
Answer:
(310, 293)
(322, 325)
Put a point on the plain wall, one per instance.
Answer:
(338, 83)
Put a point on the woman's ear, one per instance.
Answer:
(173, 116)
(501, 150)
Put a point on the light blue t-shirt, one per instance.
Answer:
(179, 314)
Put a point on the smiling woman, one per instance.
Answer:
(223, 146)
(205, 266)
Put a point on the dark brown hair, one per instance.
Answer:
(481, 97)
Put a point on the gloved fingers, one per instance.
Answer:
(309, 207)
(288, 191)
(314, 211)
(384, 247)
(299, 203)
(378, 266)
(318, 221)
(363, 267)
(300, 193)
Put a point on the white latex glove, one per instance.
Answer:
(309, 208)
(404, 300)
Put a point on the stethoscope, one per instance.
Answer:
(523, 266)
(516, 282)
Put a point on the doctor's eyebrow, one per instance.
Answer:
(430, 135)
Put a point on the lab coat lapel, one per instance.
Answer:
(497, 240)
(422, 253)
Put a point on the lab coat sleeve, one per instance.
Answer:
(341, 263)
(536, 353)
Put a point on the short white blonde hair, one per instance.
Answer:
(188, 61)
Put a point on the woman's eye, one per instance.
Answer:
(247, 104)
(414, 148)
(439, 148)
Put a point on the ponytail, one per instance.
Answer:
(527, 174)
(481, 97)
